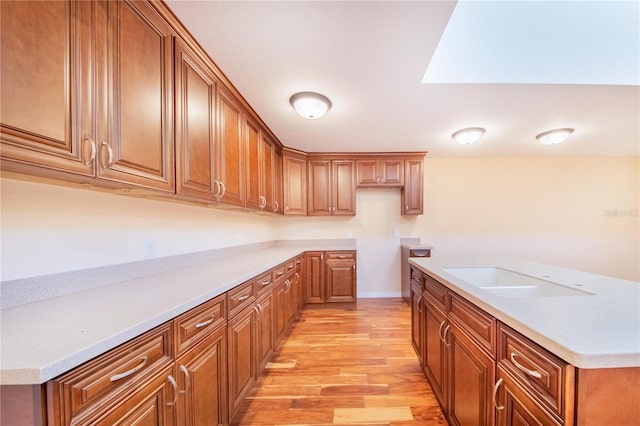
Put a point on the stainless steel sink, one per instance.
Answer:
(506, 283)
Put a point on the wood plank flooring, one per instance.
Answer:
(350, 364)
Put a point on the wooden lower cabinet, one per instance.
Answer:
(241, 360)
(201, 374)
(417, 322)
(434, 351)
(265, 329)
(330, 276)
(471, 377)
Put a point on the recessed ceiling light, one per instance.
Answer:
(468, 136)
(554, 137)
(310, 105)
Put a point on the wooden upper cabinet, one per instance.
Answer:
(231, 149)
(294, 181)
(375, 172)
(135, 76)
(412, 193)
(253, 137)
(266, 173)
(45, 86)
(195, 127)
(278, 204)
(331, 188)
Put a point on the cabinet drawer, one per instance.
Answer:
(263, 283)
(299, 263)
(435, 292)
(240, 297)
(341, 255)
(416, 277)
(546, 377)
(290, 265)
(114, 372)
(420, 253)
(279, 271)
(194, 325)
(479, 325)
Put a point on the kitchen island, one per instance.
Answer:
(536, 343)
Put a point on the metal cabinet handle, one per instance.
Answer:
(419, 303)
(275, 206)
(205, 323)
(241, 298)
(280, 273)
(175, 390)
(297, 277)
(290, 267)
(342, 257)
(92, 157)
(259, 306)
(256, 310)
(444, 335)
(495, 392)
(224, 189)
(187, 379)
(265, 283)
(286, 208)
(524, 369)
(216, 182)
(110, 154)
(440, 330)
(128, 373)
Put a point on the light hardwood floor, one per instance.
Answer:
(345, 365)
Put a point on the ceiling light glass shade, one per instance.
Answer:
(554, 137)
(310, 105)
(468, 136)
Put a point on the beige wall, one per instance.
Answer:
(48, 229)
(579, 213)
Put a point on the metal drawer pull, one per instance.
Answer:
(266, 282)
(127, 373)
(342, 257)
(290, 267)
(440, 330)
(525, 370)
(281, 273)
(175, 390)
(87, 138)
(205, 323)
(187, 378)
(495, 392)
(241, 298)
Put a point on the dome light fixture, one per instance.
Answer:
(310, 105)
(554, 137)
(468, 136)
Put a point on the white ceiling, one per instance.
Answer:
(370, 58)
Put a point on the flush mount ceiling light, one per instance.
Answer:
(310, 105)
(554, 137)
(468, 136)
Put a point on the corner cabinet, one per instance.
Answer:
(103, 105)
(330, 276)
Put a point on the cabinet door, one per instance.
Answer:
(46, 95)
(412, 193)
(230, 150)
(417, 322)
(343, 188)
(202, 382)
(253, 136)
(515, 407)
(136, 134)
(434, 355)
(392, 172)
(471, 380)
(241, 358)
(281, 310)
(367, 171)
(265, 333)
(319, 178)
(195, 124)
(314, 277)
(266, 174)
(278, 205)
(341, 281)
(152, 404)
(295, 186)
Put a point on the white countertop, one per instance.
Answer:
(601, 330)
(44, 339)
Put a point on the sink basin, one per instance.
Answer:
(506, 283)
